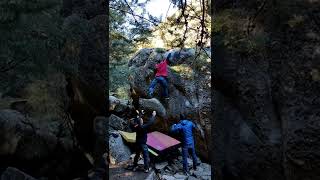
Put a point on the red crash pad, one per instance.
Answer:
(160, 141)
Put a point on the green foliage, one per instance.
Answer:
(183, 70)
(118, 81)
(160, 50)
(173, 31)
(40, 99)
(233, 24)
(128, 31)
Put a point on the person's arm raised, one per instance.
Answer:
(151, 120)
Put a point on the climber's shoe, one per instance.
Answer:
(147, 170)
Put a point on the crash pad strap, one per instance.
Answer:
(152, 152)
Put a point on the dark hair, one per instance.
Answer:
(182, 117)
(168, 56)
(136, 120)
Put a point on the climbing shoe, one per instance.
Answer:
(147, 170)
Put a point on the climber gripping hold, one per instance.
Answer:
(161, 77)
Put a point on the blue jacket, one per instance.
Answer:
(186, 128)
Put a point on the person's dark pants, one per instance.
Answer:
(163, 82)
(188, 149)
(144, 149)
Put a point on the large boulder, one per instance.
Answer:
(119, 106)
(11, 127)
(117, 123)
(189, 90)
(12, 173)
(153, 105)
(25, 141)
(84, 52)
(101, 138)
(118, 151)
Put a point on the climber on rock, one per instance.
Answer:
(141, 139)
(185, 128)
(161, 77)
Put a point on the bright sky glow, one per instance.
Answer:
(160, 7)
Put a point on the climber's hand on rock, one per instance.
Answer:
(154, 113)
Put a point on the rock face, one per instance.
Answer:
(25, 142)
(119, 152)
(266, 115)
(57, 71)
(189, 90)
(117, 123)
(15, 174)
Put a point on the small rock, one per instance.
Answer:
(169, 169)
(180, 176)
(189, 161)
(167, 177)
(205, 166)
(192, 178)
(206, 177)
(140, 162)
(160, 166)
(13, 173)
(204, 172)
(151, 176)
(199, 169)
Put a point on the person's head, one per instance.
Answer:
(168, 58)
(182, 117)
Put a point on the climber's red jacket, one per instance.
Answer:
(162, 68)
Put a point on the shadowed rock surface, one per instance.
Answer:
(266, 95)
(15, 174)
(53, 61)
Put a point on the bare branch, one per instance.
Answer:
(131, 11)
(153, 22)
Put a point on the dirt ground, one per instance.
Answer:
(118, 172)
